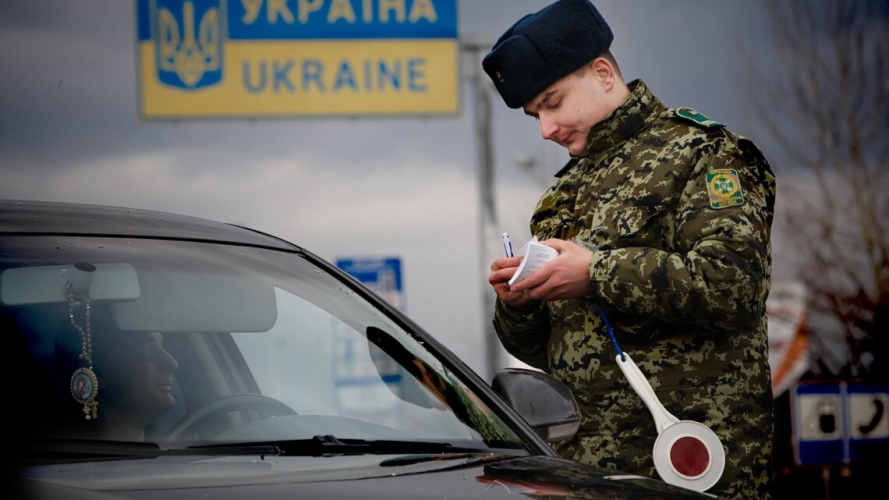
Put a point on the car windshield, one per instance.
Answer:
(186, 344)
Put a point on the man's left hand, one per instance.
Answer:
(565, 277)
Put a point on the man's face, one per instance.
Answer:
(569, 108)
(140, 375)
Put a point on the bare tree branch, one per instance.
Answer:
(827, 108)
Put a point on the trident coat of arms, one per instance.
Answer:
(188, 40)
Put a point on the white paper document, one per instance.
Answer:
(536, 255)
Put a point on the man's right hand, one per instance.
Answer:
(502, 270)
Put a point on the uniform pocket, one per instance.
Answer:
(632, 220)
(634, 226)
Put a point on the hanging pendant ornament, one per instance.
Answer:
(84, 384)
(686, 453)
(84, 388)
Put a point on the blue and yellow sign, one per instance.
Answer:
(288, 58)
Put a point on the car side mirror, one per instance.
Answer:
(545, 403)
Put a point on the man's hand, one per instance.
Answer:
(565, 277)
(501, 270)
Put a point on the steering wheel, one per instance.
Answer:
(226, 404)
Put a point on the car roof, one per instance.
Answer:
(23, 217)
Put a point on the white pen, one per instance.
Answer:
(507, 245)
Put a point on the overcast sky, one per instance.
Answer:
(368, 187)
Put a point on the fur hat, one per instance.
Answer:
(543, 47)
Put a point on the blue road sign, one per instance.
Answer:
(818, 424)
(867, 425)
(382, 275)
(352, 384)
(840, 422)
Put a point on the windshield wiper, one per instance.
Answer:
(329, 445)
(71, 450)
(79, 450)
(86, 450)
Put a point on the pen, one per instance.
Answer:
(507, 245)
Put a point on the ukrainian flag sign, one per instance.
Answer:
(296, 58)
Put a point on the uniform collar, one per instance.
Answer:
(626, 120)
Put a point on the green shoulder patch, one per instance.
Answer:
(724, 188)
(698, 118)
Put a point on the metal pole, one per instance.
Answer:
(488, 234)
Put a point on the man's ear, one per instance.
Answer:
(604, 72)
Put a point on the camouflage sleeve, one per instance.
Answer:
(716, 275)
(524, 332)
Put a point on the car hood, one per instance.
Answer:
(449, 476)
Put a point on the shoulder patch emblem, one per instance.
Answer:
(724, 188)
(698, 118)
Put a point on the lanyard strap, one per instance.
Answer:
(611, 334)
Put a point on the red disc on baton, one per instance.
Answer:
(689, 456)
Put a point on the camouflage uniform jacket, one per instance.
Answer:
(678, 211)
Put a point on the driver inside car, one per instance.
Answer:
(133, 375)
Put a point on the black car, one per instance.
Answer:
(163, 356)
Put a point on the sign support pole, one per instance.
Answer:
(488, 235)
